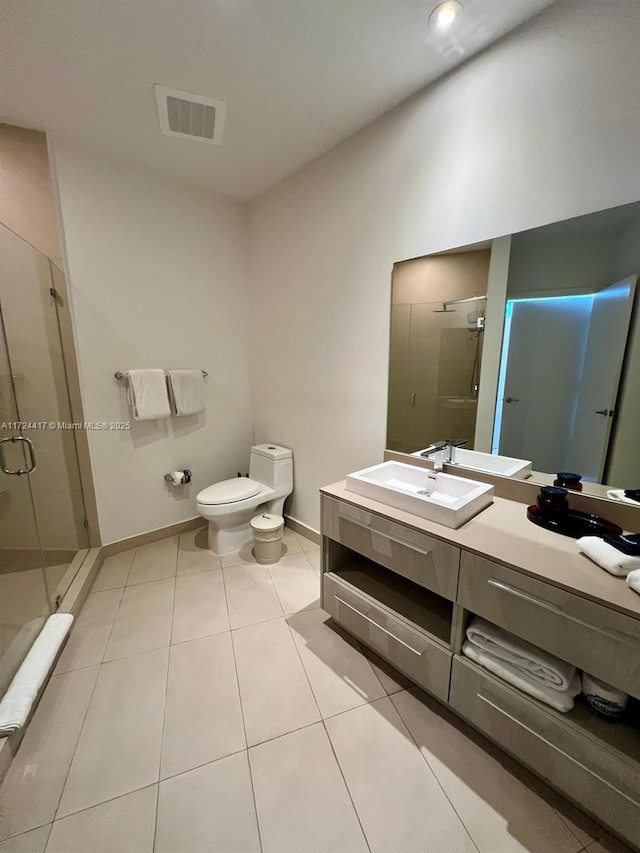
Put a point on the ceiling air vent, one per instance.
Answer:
(191, 116)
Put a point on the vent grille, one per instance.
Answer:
(192, 116)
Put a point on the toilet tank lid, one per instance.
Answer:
(228, 491)
(272, 451)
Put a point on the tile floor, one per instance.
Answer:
(207, 704)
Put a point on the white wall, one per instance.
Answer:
(157, 279)
(542, 127)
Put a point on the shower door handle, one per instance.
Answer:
(32, 456)
(511, 400)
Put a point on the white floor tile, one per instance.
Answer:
(114, 572)
(32, 787)
(296, 582)
(91, 631)
(194, 554)
(340, 676)
(208, 810)
(123, 825)
(242, 557)
(251, 595)
(291, 542)
(315, 558)
(30, 842)
(119, 748)
(155, 561)
(275, 693)
(307, 544)
(501, 814)
(200, 606)
(398, 800)
(143, 621)
(301, 798)
(203, 718)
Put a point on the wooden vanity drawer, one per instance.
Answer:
(594, 638)
(426, 561)
(600, 778)
(409, 649)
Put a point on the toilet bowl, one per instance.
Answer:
(230, 505)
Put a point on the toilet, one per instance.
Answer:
(230, 505)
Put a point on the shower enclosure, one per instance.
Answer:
(434, 372)
(43, 535)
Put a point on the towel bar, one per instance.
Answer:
(119, 375)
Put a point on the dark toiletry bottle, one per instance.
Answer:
(552, 501)
(567, 480)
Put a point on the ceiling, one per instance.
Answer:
(298, 76)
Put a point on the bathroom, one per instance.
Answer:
(270, 268)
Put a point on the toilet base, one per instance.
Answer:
(229, 539)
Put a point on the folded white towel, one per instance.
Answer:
(147, 394)
(22, 692)
(607, 557)
(619, 495)
(633, 579)
(561, 700)
(187, 391)
(532, 662)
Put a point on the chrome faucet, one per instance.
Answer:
(448, 446)
(450, 449)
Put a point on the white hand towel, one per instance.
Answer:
(607, 557)
(22, 692)
(633, 579)
(147, 394)
(187, 390)
(619, 495)
(534, 663)
(561, 700)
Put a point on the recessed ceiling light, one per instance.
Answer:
(445, 15)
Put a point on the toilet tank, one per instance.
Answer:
(272, 466)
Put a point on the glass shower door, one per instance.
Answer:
(24, 597)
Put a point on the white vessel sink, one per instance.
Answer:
(507, 466)
(438, 497)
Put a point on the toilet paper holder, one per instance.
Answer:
(178, 478)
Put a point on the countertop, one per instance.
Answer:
(503, 533)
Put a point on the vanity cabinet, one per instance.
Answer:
(594, 638)
(409, 596)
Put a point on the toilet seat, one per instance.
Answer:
(229, 491)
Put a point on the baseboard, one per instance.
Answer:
(303, 529)
(152, 536)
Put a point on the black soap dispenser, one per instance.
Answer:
(552, 502)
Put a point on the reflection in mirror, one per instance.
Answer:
(554, 376)
(437, 325)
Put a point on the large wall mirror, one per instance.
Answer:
(528, 347)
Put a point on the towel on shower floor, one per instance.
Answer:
(534, 663)
(22, 692)
(607, 557)
(187, 391)
(147, 394)
(561, 700)
(633, 579)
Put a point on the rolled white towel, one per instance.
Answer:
(534, 663)
(22, 692)
(607, 557)
(633, 579)
(561, 700)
